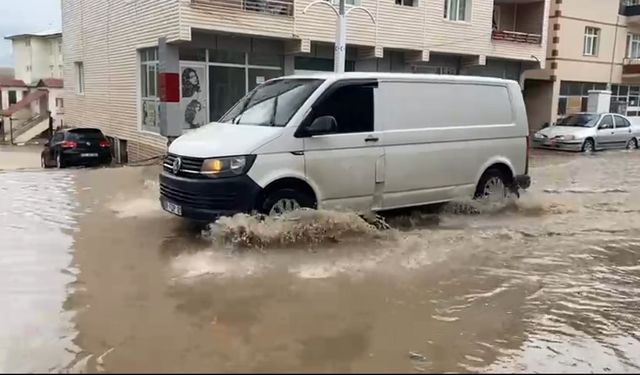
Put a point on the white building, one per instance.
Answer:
(144, 69)
(36, 91)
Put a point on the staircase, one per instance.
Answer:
(29, 129)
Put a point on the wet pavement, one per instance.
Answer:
(94, 277)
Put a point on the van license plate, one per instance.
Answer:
(172, 207)
(92, 155)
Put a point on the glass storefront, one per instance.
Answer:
(213, 80)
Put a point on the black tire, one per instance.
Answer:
(301, 198)
(488, 175)
(43, 162)
(588, 145)
(632, 144)
(60, 162)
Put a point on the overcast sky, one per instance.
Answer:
(25, 16)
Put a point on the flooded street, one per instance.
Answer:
(95, 277)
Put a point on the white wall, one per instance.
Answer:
(22, 56)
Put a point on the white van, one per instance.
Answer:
(355, 141)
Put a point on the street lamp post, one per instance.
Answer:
(341, 29)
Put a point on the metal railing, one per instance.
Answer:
(272, 7)
(515, 36)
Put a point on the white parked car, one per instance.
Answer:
(356, 141)
(588, 132)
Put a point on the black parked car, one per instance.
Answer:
(76, 147)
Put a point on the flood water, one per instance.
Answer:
(95, 277)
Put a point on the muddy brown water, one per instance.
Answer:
(94, 277)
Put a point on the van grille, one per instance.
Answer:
(190, 166)
(216, 200)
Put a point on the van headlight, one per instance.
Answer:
(228, 166)
(567, 137)
(538, 136)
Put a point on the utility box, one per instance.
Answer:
(599, 101)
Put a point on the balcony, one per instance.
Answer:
(630, 67)
(274, 18)
(518, 22)
(267, 7)
(631, 9)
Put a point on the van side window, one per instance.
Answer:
(622, 122)
(352, 107)
(606, 123)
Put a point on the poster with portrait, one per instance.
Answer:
(193, 99)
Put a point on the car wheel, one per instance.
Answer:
(59, 162)
(632, 144)
(588, 146)
(493, 186)
(281, 201)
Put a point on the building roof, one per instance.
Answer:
(52, 83)
(24, 103)
(11, 82)
(40, 34)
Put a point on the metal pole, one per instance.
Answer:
(11, 129)
(341, 39)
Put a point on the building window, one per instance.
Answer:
(13, 97)
(591, 36)
(79, 77)
(407, 3)
(149, 89)
(60, 102)
(633, 46)
(457, 10)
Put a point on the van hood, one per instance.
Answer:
(577, 131)
(218, 139)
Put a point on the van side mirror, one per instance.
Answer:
(322, 125)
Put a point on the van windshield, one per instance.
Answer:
(581, 120)
(273, 103)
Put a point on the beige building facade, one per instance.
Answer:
(124, 59)
(593, 44)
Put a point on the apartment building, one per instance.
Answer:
(593, 44)
(35, 91)
(145, 69)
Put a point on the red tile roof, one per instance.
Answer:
(11, 82)
(52, 83)
(24, 103)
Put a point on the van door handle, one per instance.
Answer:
(371, 139)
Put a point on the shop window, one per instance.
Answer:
(228, 57)
(192, 54)
(562, 106)
(150, 104)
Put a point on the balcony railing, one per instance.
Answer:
(272, 7)
(631, 66)
(518, 37)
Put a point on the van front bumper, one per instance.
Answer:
(206, 199)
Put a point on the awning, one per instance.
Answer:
(24, 103)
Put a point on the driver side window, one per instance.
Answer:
(606, 122)
(351, 106)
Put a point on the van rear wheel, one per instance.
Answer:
(493, 186)
(281, 201)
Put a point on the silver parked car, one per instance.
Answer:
(588, 132)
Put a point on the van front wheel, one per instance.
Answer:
(281, 201)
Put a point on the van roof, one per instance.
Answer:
(402, 76)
